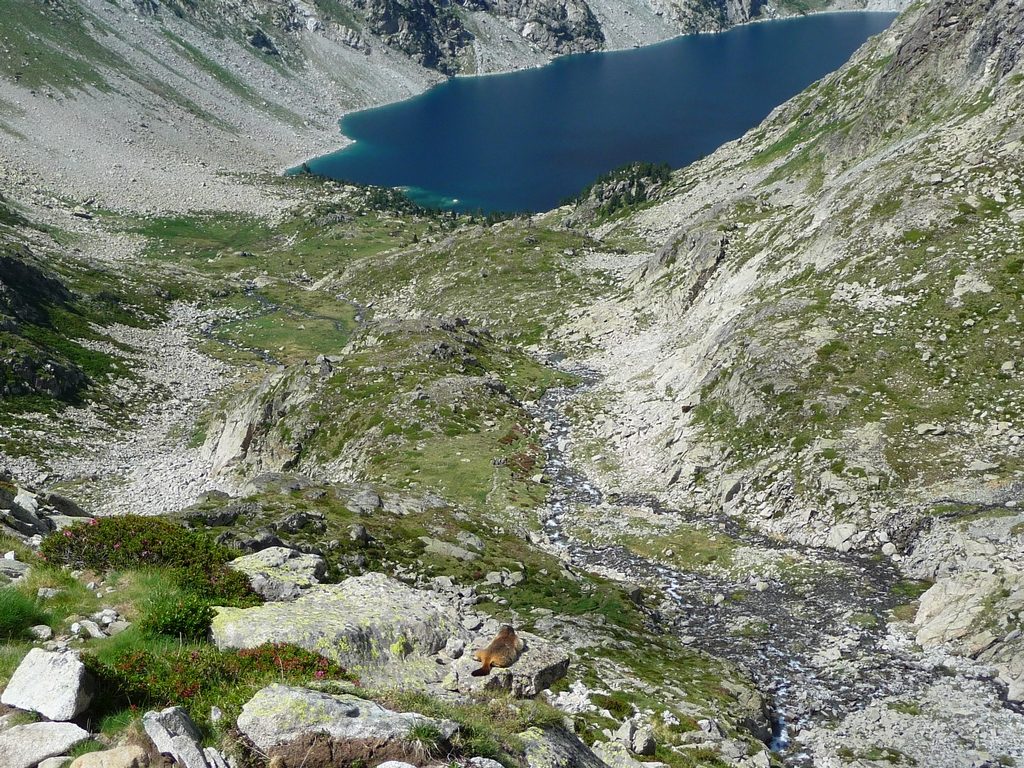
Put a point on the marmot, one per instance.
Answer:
(502, 652)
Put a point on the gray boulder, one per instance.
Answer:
(55, 685)
(23, 519)
(363, 622)
(13, 569)
(539, 666)
(557, 748)
(617, 755)
(280, 714)
(639, 740)
(364, 502)
(62, 504)
(280, 573)
(446, 549)
(173, 733)
(25, 746)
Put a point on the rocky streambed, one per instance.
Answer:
(811, 626)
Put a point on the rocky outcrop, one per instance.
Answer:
(363, 622)
(245, 436)
(173, 733)
(975, 605)
(555, 26)
(280, 714)
(617, 192)
(28, 294)
(331, 416)
(24, 513)
(431, 33)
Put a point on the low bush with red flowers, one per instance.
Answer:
(132, 542)
(146, 673)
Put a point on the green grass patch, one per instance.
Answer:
(18, 612)
(686, 547)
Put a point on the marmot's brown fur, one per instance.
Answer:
(502, 652)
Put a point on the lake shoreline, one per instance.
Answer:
(538, 136)
(346, 141)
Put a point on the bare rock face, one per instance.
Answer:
(56, 685)
(280, 714)
(430, 33)
(969, 613)
(555, 27)
(362, 622)
(245, 436)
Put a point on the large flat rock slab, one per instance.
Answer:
(364, 621)
(280, 714)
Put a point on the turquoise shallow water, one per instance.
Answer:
(527, 140)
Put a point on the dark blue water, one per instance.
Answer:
(527, 140)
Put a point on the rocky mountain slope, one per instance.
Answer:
(736, 448)
(823, 340)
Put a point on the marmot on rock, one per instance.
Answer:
(502, 652)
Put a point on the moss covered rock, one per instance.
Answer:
(358, 623)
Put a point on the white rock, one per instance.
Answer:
(41, 632)
(981, 466)
(174, 734)
(25, 746)
(55, 685)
